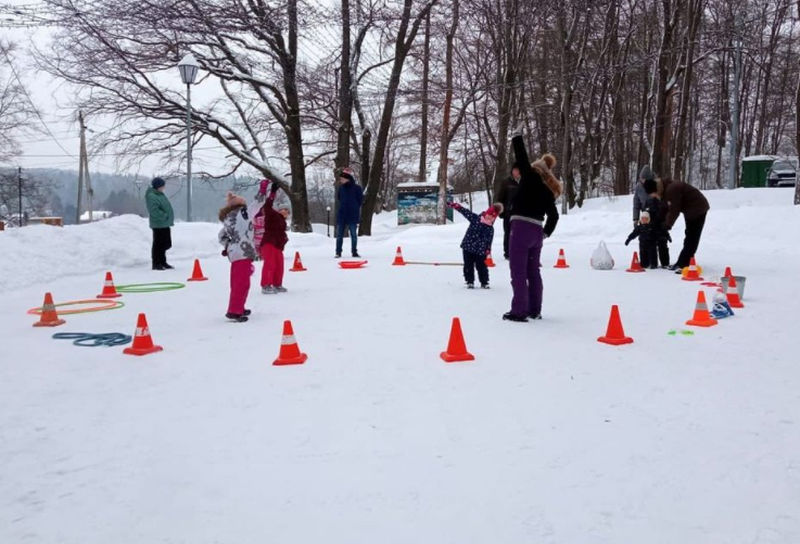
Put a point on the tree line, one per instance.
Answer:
(397, 88)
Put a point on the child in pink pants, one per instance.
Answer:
(271, 238)
(236, 237)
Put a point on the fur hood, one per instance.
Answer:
(223, 212)
(544, 167)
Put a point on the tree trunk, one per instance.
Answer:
(448, 100)
(345, 113)
(681, 141)
(423, 137)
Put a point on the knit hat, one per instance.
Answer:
(644, 218)
(348, 174)
(157, 182)
(646, 173)
(650, 186)
(232, 199)
(494, 210)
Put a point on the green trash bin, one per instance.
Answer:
(755, 170)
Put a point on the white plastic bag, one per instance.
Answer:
(601, 258)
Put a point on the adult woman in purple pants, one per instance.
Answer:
(535, 200)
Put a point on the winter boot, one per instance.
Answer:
(238, 318)
(508, 316)
(268, 290)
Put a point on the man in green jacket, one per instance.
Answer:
(161, 219)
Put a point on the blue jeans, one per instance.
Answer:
(340, 228)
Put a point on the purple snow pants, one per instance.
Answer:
(524, 251)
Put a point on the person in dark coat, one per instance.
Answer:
(657, 209)
(505, 196)
(682, 198)
(350, 196)
(640, 193)
(161, 220)
(535, 200)
(477, 242)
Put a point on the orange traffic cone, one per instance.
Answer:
(109, 291)
(197, 272)
(298, 264)
(615, 334)
(701, 316)
(142, 342)
(49, 315)
(636, 266)
(398, 258)
(456, 348)
(728, 272)
(692, 274)
(290, 351)
(732, 293)
(489, 262)
(562, 260)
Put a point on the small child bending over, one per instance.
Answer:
(477, 242)
(271, 242)
(236, 238)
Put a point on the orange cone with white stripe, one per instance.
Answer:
(142, 341)
(562, 260)
(197, 272)
(701, 318)
(732, 293)
(298, 264)
(109, 291)
(49, 315)
(636, 266)
(398, 258)
(290, 352)
(692, 274)
(489, 262)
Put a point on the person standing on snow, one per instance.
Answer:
(477, 242)
(161, 220)
(682, 198)
(236, 238)
(270, 241)
(535, 199)
(350, 196)
(505, 196)
(640, 193)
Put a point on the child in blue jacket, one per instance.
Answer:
(477, 242)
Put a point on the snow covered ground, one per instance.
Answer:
(547, 437)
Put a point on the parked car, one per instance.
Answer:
(782, 173)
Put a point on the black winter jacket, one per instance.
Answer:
(534, 199)
(506, 195)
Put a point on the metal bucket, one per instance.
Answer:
(739, 285)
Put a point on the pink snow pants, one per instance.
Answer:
(241, 271)
(272, 271)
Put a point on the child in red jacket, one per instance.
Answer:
(272, 243)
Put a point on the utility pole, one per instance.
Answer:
(19, 191)
(80, 169)
(737, 76)
(85, 165)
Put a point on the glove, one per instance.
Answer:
(225, 252)
(628, 241)
(454, 205)
(669, 238)
(274, 188)
(262, 189)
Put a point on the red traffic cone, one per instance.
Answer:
(197, 272)
(456, 348)
(398, 258)
(615, 334)
(701, 318)
(49, 316)
(290, 352)
(732, 293)
(142, 341)
(692, 274)
(109, 291)
(298, 264)
(728, 272)
(489, 262)
(636, 266)
(562, 260)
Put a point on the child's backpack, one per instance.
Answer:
(601, 258)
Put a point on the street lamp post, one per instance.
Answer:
(328, 221)
(188, 68)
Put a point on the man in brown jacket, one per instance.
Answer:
(684, 199)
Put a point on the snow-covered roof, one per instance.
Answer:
(759, 158)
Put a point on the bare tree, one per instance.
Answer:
(17, 113)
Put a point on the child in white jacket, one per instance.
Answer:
(237, 238)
